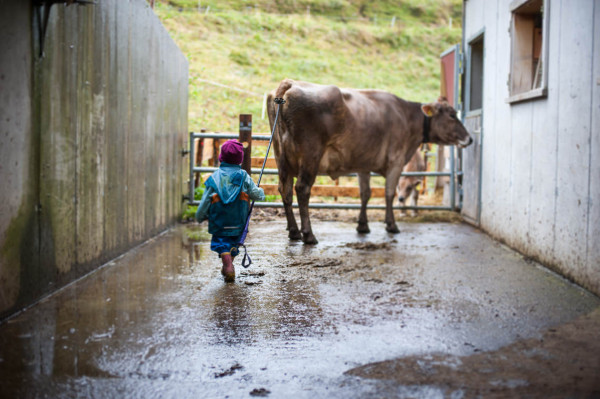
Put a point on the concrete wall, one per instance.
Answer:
(90, 134)
(540, 159)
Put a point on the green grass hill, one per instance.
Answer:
(240, 49)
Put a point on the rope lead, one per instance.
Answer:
(279, 102)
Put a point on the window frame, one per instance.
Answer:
(477, 37)
(542, 91)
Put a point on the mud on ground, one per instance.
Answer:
(351, 215)
(438, 310)
(564, 362)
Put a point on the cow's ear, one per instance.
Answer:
(429, 109)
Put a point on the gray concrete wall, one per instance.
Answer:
(17, 151)
(90, 134)
(540, 160)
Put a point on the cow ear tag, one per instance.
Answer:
(427, 109)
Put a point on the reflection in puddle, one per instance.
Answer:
(159, 321)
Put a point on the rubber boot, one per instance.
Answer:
(228, 271)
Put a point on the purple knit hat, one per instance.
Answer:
(232, 152)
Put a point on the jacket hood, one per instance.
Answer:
(227, 181)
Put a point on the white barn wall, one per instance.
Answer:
(494, 179)
(574, 116)
(519, 127)
(593, 237)
(544, 169)
(540, 166)
(501, 131)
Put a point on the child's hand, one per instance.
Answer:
(202, 220)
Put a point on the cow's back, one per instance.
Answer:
(342, 130)
(311, 106)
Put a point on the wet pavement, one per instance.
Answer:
(439, 310)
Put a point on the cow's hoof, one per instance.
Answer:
(309, 239)
(295, 235)
(363, 228)
(392, 229)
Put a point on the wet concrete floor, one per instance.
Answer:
(439, 310)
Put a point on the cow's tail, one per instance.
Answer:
(281, 127)
(283, 87)
(271, 108)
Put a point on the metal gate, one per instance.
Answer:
(452, 174)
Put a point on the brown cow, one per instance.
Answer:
(408, 185)
(325, 129)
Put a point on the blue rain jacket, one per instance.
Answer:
(226, 200)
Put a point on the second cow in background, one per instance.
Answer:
(408, 186)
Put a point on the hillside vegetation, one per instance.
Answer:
(250, 46)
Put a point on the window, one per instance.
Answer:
(475, 75)
(528, 74)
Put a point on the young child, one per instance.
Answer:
(225, 204)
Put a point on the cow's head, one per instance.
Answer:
(444, 127)
(406, 185)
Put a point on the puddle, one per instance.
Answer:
(160, 322)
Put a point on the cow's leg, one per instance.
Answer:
(402, 202)
(305, 181)
(415, 199)
(286, 189)
(364, 183)
(391, 182)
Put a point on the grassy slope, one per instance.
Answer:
(253, 45)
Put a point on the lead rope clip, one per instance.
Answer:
(246, 256)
